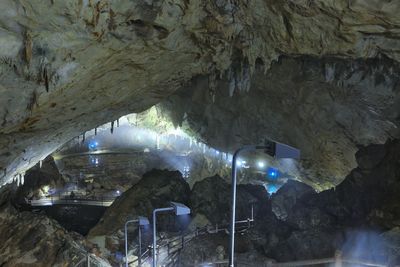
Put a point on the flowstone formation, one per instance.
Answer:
(68, 66)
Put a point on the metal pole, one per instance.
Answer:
(233, 204)
(140, 248)
(126, 240)
(155, 233)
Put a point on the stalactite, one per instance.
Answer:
(95, 131)
(40, 163)
(117, 122)
(112, 127)
(83, 137)
(28, 47)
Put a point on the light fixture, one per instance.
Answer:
(261, 164)
(271, 148)
(141, 221)
(273, 173)
(93, 145)
(178, 209)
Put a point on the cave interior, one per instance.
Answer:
(157, 132)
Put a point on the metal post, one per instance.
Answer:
(155, 233)
(140, 248)
(233, 204)
(126, 240)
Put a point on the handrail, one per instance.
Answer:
(335, 260)
(180, 241)
(65, 199)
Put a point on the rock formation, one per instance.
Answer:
(155, 190)
(325, 107)
(358, 217)
(28, 239)
(68, 66)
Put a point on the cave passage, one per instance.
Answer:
(120, 122)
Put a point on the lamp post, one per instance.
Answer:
(271, 148)
(141, 222)
(179, 209)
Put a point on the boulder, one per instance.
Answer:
(155, 190)
(287, 196)
(212, 198)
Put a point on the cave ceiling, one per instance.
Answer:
(69, 66)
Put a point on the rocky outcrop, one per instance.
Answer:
(211, 197)
(287, 196)
(155, 190)
(44, 175)
(28, 239)
(325, 107)
(112, 58)
(358, 217)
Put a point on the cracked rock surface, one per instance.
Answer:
(68, 66)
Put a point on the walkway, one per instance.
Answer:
(67, 200)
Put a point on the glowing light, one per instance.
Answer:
(177, 131)
(272, 173)
(118, 192)
(93, 145)
(272, 188)
(261, 164)
(94, 161)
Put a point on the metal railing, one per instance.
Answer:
(168, 248)
(89, 259)
(336, 261)
(67, 199)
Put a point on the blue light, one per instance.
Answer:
(93, 144)
(273, 173)
(271, 188)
